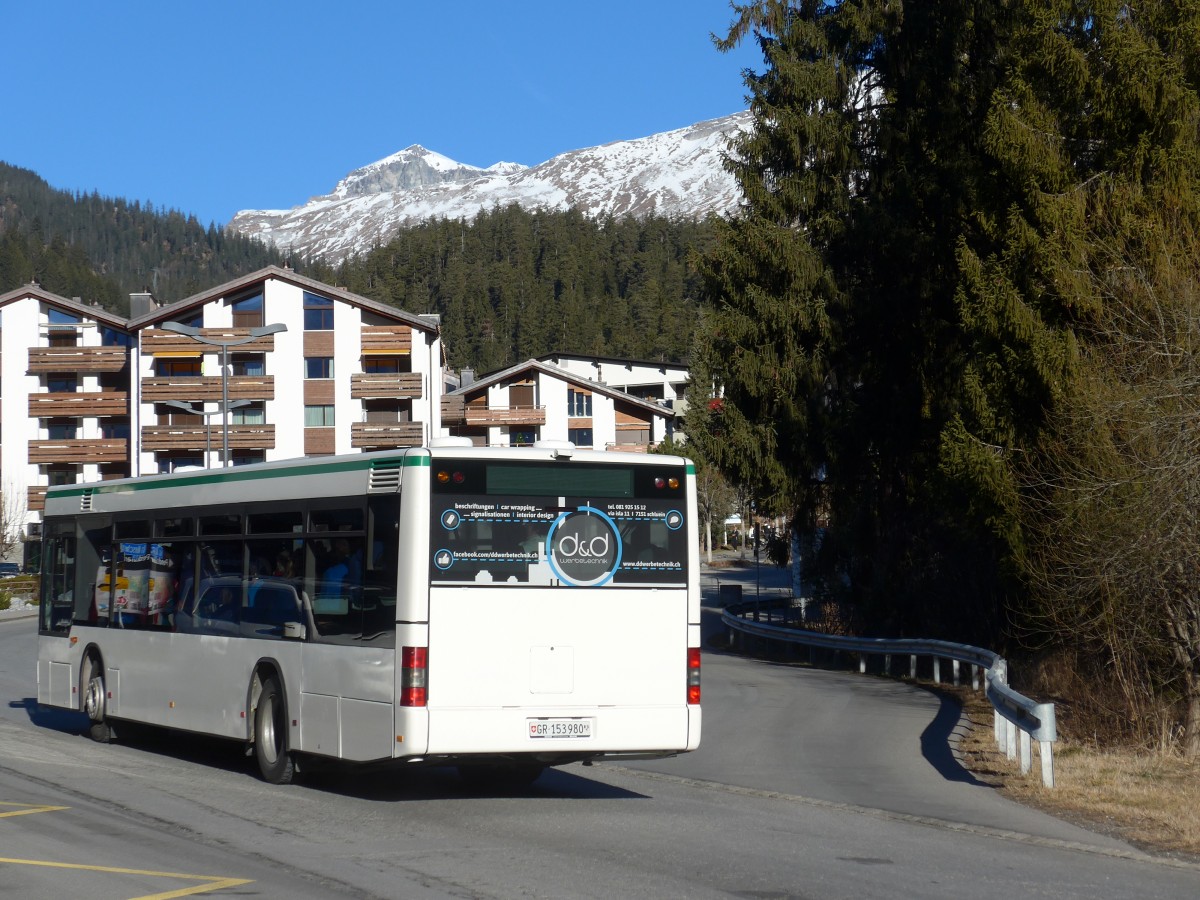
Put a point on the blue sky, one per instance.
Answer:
(214, 107)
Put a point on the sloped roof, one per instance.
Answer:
(73, 306)
(614, 360)
(239, 285)
(531, 366)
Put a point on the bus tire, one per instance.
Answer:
(95, 701)
(270, 735)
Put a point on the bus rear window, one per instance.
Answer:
(558, 524)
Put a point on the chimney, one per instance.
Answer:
(140, 304)
(466, 377)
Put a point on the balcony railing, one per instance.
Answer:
(79, 451)
(201, 437)
(78, 404)
(77, 359)
(35, 499)
(454, 410)
(155, 340)
(506, 415)
(377, 386)
(189, 388)
(386, 339)
(386, 435)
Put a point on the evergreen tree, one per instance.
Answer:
(896, 312)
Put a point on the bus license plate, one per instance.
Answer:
(559, 728)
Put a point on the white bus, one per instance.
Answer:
(500, 610)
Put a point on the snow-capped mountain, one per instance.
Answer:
(676, 173)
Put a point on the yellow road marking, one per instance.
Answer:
(25, 809)
(211, 882)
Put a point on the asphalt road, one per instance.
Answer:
(807, 784)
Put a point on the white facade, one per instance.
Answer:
(56, 398)
(661, 381)
(539, 401)
(87, 395)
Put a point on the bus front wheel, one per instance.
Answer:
(95, 701)
(270, 735)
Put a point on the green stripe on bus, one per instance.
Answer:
(218, 476)
(691, 468)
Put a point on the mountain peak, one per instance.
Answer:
(676, 173)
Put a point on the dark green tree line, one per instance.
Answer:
(512, 284)
(52, 236)
(898, 318)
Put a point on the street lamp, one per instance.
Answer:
(198, 334)
(188, 408)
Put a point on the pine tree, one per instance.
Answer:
(896, 311)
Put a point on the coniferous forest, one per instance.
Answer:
(102, 249)
(513, 284)
(510, 284)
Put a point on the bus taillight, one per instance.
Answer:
(414, 669)
(693, 675)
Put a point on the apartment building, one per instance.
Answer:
(539, 401)
(64, 399)
(663, 382)
(269, 366)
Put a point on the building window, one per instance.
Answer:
(580, 437)
(385, 411)
(579, 403)
(61, 474)
(318, 367)
(115, 429)
(177, 368)
(521, 438)
(253, 364)
(62, 429)
(178, 462)
(248, 415)
(60, 383)
(62, 329)
(381, 365)
(318, 416)
(110, 337)
(248, 457)
(318, 313)
(248, 311)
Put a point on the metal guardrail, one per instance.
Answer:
(1017, 722)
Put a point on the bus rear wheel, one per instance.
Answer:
(95, 701)
(270, 735)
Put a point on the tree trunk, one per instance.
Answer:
(1191, 727)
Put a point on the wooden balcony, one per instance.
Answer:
(377, 386)
(78, 404)
(207, 388)
(77, 359)
(79, 451)
(200, 437)
(454, 410)
(383, 340)
(506, 415)
(386, 435)
(155, 340)
(35, 499)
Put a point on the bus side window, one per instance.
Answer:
(219, 607)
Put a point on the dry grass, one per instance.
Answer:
(1151, 800)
